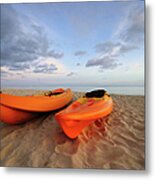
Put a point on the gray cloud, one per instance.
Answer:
(19, 67)
(5, 74)
(104, 62)
(126, 48)
(110, 52)
(55, 54)
(22, 43)
(110, 47)
(70, 74)
(133, 30)
(80, 53)
(130, 33)
(106, 47)
(44, 68)
(78, 64)
(9, 26)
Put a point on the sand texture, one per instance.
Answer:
(114, 142)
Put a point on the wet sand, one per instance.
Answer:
(114, 142)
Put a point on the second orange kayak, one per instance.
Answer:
(15, 116)
(84, 111)
(16, 109)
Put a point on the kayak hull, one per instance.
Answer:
(78, 115)
(14, 116)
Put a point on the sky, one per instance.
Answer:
(80, 43)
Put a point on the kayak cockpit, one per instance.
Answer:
(99, 93)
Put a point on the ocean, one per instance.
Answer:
(124, 90)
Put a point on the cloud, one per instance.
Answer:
(45, 68)
(9, 22)
(19, 67)
(126, 48)
(114, 48)
(131, 28)
(22, 41)
(56, 55)
(103, 62)
(106, 47)
(135, 30)
(78, 64)
(4, 73)
(70, 74)
(130, 35)
(109, 54)
(80, 53)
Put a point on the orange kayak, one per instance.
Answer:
(84, 111)
(17, 109)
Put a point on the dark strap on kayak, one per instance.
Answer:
(52, 93)
(96, 93)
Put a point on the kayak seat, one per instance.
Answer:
(96, 93)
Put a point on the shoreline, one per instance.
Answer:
(33, 91)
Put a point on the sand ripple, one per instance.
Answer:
(114, 142)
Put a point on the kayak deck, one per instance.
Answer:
(37, 103)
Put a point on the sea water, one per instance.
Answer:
(124, 90)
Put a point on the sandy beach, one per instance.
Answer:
(114, 142)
